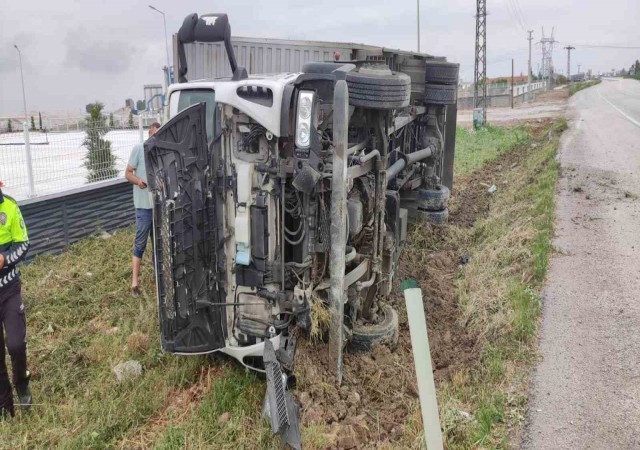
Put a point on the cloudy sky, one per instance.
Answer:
(76, 51)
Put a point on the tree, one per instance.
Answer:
(130, 122)
(33, 124)
(9, 126)
(111, 124)
(100, 161)
(141, 105)
(40, 120)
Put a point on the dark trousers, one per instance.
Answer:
(144, 224)
(13, 335)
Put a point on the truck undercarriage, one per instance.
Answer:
(274, 195)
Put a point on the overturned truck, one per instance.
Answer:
(276, 192)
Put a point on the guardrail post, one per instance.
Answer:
(27, 149)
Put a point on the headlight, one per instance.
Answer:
(303, 122)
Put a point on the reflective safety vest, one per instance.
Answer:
(14, 241)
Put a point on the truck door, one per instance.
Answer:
(190, 303)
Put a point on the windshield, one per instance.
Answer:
(180, 100)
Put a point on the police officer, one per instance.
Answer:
(14, 244)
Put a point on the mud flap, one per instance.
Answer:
(279, 406)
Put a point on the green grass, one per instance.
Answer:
(475, 148)
(80, 316)
(239, 395)
(499, 298)
(577, 87)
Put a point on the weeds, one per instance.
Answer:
(475, 148)
(499, 300)
(577, 87)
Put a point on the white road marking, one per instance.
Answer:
(622, 113)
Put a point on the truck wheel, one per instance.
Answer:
(375, 86)
(441, 72)
(440, 94)
(428, 199)
(417, 215)
(385, 332)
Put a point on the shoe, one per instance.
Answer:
(24, 394)
(135, 291)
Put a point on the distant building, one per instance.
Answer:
(153, 97)
(502, 82)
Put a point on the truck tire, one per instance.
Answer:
(441, 72)
(428, 199)
(385, 332)
(377, 87)
(440, 94)
(418, 215)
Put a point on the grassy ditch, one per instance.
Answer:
(482, 322)
(502, 248)
(577, 87)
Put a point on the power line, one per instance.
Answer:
(519, 16)
(524, 22)
(512, 15)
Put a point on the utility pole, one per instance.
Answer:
(24, 98)
(568, 48)
(166, 41)
(578, 69)
(418, 1)
(511, 83)
(530, 38)
(480, 73)
(25, 130)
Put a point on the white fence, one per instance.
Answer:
(501, 97)
(35, 163)
(524, 88)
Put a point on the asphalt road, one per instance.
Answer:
(585, 392)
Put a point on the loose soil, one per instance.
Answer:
(379, 394)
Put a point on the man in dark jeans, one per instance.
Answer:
(14, 244)
(137, 175)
